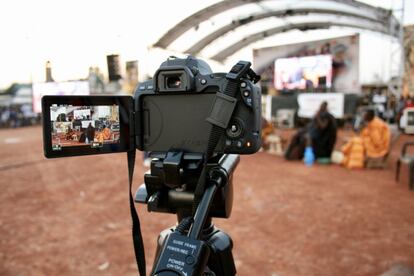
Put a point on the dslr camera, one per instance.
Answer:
(173, 111)
(194, 123)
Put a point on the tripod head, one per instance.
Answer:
(169, 185)
(195, 246)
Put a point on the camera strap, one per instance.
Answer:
(136, 227)
(220, 117)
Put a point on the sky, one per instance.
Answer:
(77, 34)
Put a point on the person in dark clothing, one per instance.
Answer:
(297, 145)
(320, 134)
(323, 132)
(90, 133)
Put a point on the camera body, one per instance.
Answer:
(172, 108)
(171, 112)
(180, 116)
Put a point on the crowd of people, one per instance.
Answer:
(18, 116)
(370, 140)
(68, 132)
(389, 108)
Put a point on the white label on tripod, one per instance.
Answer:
(178, 242)
(178, 250)
(175, 264)
(189, 245)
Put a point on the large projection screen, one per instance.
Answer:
(344, 52)
(307, 72)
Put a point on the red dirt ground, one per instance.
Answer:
(70, 216)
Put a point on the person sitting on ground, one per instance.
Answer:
(267, 129)
(375, 135)
(99, 137)
(90, 133)
(353, 153)
(372, 143)
(106, 132)
(320, 134)
(69, 134)
(323, 132)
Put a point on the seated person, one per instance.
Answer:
(99, 137)
(82, 137)
(353, 152)
(106, 132)
(323, 132)
(267, 129)
(90, 133)
(373, 141)
(375, 135)
(320, 134)
(70, 134)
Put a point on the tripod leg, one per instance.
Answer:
(221, 260)
(160, 243)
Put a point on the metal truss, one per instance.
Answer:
(368, 23)
(375, 13)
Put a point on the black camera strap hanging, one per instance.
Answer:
(136, 227)
(220, 116)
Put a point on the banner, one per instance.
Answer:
(309, 104)
(57, 88)
(267, 107)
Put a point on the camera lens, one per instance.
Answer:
(173, 82)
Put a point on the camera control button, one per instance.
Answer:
(203, 81)
(142, 87)
(228, 143)
(246, 93)
(239, 144)
(189, 260)
(150, 87)
(243, 85)
(235, 129)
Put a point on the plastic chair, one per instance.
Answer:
(409, 161)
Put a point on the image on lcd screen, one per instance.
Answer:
(86, 126)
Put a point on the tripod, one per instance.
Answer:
(195, 246)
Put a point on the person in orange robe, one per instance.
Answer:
(372, 142)
(353, 153)
(99, 137)
(375, 135)
(267, 129)
(106, 132)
